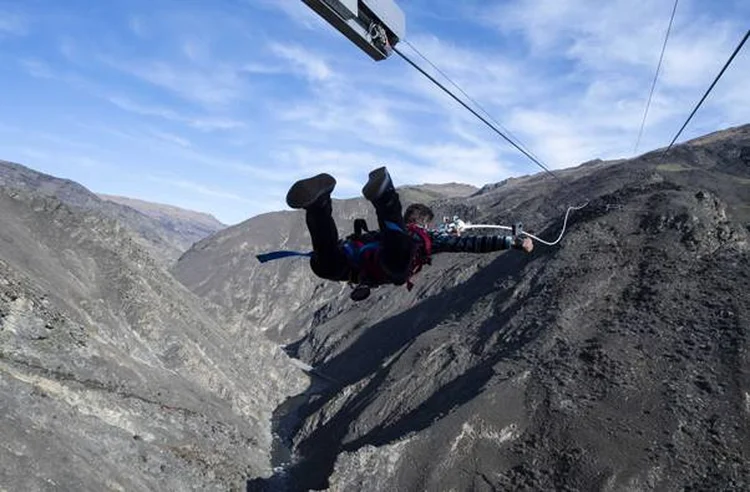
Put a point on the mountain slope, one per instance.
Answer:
(164, 243)
(189, 226)
(114, 376)
(617, 360)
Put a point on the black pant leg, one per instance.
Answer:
(396, 249)
(328, 260)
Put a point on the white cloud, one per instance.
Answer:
(199, 188)
(560, 141)
(12, 24)
(605, 54)
(207, 123)
(196, 49)
(171, 138)
(215, 85)
(137, 26)
(68, 48)
(489, 76)
(263, 92)
(33, 154)
(696, 55)
(304, 61)
(296, 11)
(37, 69)
(349, 167)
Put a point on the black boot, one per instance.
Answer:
(306, 192)
(378, 184)
(380, 191)
(396, 242)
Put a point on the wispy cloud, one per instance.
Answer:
(12, 24)
(297, 12)
(255, 94)
(170, 138)
(304, 61)
(38, 69)
(215, 85)
(201, 189)
(208, 123)
(137, 26)
(68, 48)
(604, 55)
(195, 49)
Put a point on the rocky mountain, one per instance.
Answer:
(616, 360)
(427, 193)
(187, 225)
(164, 239)
(113, 376)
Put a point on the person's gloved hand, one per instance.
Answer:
(523, 243)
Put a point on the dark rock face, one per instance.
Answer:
(186, 226)
(112, 374)
(164, 240)
(617, 360)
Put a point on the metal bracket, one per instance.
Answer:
(373, 25)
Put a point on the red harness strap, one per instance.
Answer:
(421, 253)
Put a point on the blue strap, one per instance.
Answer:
(355, 254)
(277, 255)
(393, 226)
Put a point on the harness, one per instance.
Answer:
(363, 249)
(421, 255)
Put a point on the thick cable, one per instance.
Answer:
(473, 101)
(726, 65)
(483, 119)
(656, 76)
(500, 133)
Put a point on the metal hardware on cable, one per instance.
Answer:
(380, 38)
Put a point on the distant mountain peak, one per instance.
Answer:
(159, 210)
(166, 231)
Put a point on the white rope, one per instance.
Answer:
(524, 233)
(486, 226)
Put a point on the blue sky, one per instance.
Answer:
(219, 106)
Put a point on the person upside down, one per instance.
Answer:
(392, 255)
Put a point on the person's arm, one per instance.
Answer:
(478, 244)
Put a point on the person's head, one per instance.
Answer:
(418, 213)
